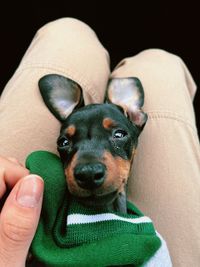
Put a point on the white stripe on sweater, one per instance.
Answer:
(82, 218)
(161, 258)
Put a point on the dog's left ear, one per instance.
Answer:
(128, 93)
(61, 95)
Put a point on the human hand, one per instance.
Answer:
(20, 213)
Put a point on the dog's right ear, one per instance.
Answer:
(128, 93)
(61, 95)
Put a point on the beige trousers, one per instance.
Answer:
(165, 181)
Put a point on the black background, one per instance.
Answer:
(124, 27)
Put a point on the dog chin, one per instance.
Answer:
(97, 200)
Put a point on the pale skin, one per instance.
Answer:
(20, 212)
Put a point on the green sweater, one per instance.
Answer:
(70, 234)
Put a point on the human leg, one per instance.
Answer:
(67, 47)
(165, 181)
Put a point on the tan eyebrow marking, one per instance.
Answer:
(108, 123)
(70, 131)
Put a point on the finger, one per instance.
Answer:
(19, 219)
(10, 173)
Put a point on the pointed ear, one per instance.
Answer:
(60, 94)
(128, 93)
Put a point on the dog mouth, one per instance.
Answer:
(98, 200)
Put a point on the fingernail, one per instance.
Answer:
(30, 191)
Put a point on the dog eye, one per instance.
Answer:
(62, 142)
(119, 134)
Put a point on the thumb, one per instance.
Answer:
(19, 219)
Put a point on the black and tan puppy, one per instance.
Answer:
(97, 142)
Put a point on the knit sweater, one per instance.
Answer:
(71, 234)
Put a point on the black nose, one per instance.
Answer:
(90, 176)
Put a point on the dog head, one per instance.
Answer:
(97, 142)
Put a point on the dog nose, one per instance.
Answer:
(90, 176)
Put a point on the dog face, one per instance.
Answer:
(97, 142)
(96, 145)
